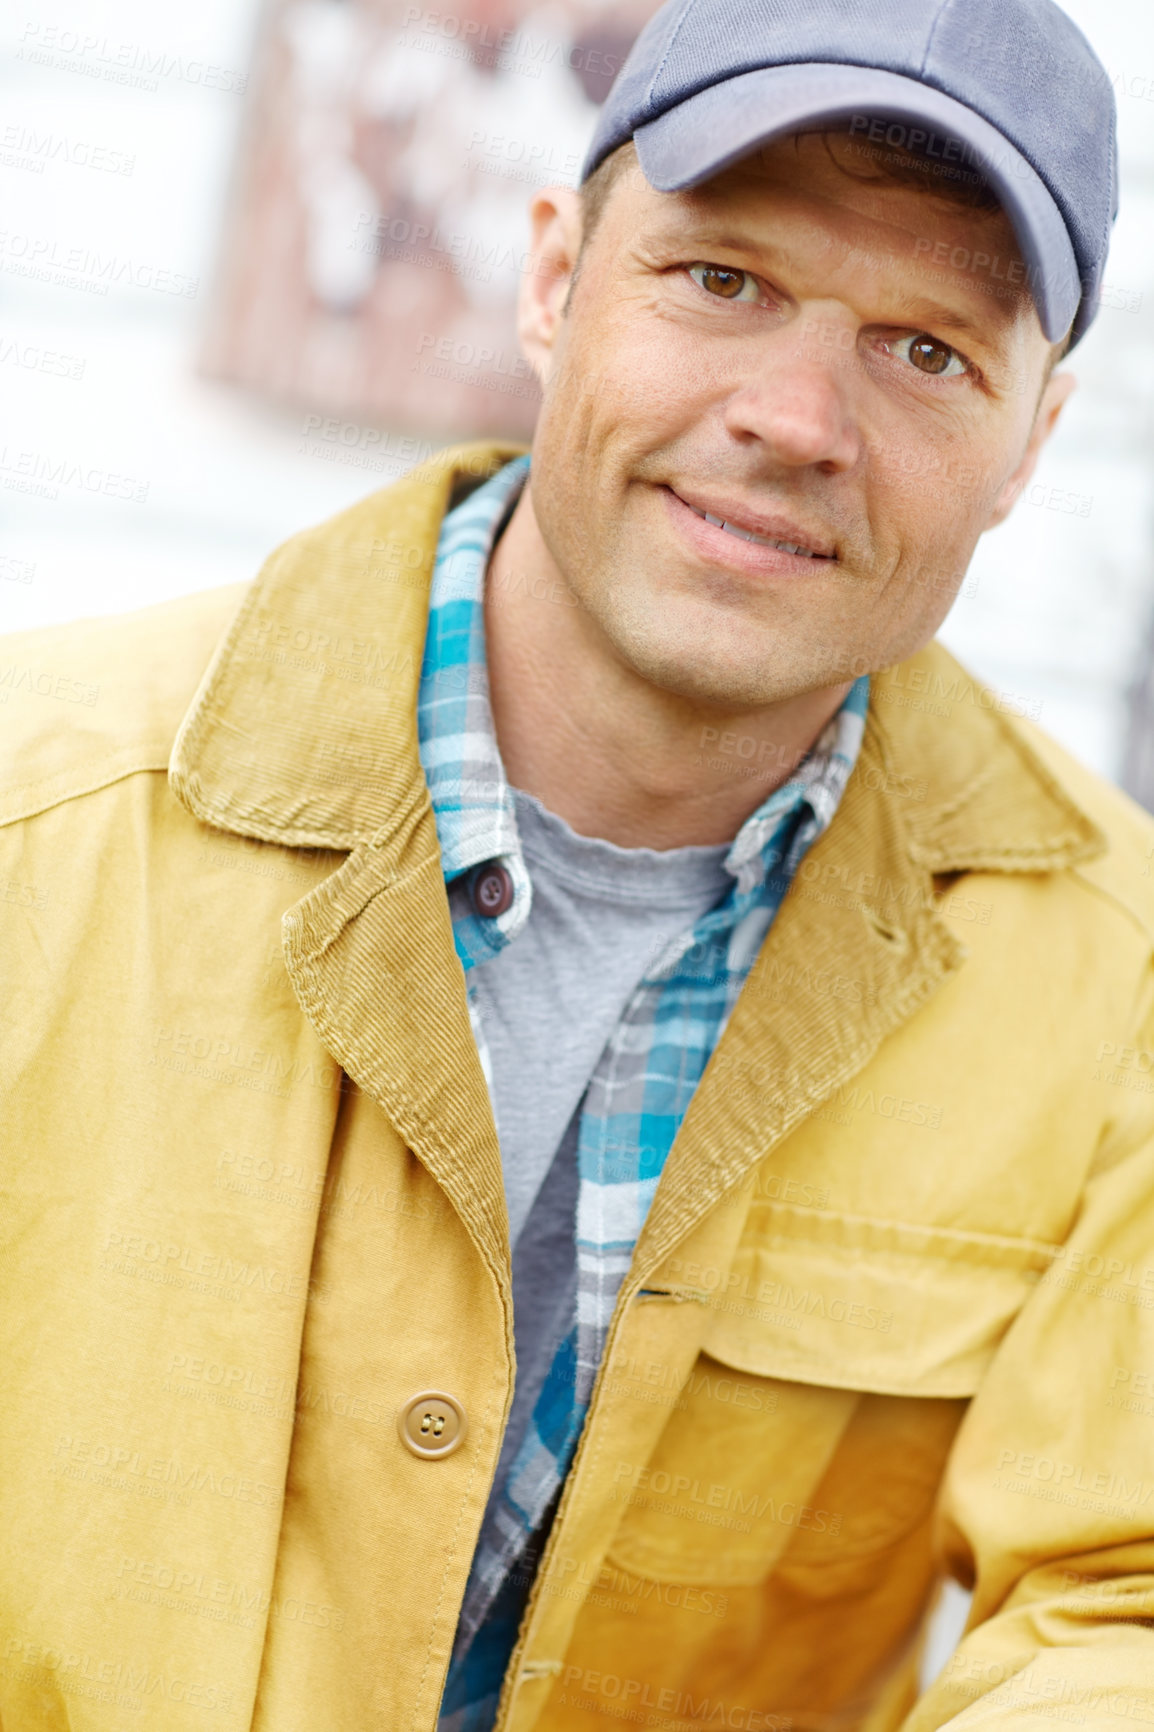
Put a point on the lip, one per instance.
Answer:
(750, 522)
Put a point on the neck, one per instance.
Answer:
(596, 743)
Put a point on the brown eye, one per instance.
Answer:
(929, 355)
(727, 284)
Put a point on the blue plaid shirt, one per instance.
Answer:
(643, 1082)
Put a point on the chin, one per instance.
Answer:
(681, 638)
(707, 680)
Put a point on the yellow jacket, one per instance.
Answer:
(890, 1315)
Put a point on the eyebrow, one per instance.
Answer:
(910, 309)
(703, 234)
(913, 310)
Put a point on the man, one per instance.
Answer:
(569, 913)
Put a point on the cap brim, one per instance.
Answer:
(718, 126)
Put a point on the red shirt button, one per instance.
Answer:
(492, 890)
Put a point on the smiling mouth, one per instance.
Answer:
(759, 540)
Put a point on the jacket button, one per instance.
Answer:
(492, 890)
(432, 1424)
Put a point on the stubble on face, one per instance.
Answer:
(656, 396)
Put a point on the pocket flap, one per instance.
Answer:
(856, 1303)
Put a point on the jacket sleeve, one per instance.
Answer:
(1048, 1501)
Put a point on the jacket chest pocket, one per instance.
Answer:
(838, 1360)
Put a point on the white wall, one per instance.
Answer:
(220, 479)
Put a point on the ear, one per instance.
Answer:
(1056, 395)
(554, 243)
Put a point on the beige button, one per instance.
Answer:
(432, 1424)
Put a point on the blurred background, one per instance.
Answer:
(258, 259)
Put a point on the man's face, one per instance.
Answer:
(777, 349)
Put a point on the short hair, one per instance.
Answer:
(598, 189)
(877, 164)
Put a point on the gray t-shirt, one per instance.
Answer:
(600, 917)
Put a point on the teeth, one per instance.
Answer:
(748, 535)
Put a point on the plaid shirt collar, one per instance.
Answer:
(472, 801)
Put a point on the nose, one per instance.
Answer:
(796, 401)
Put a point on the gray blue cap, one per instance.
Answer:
(1010, 88)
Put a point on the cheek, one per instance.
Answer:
(631, 377)
(935, 492)
(671, 377)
